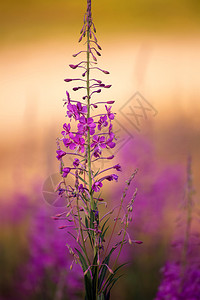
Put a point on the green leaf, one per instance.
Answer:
(88, 231)
(101, 297)
(103, 233)
(96, 173)
(94, 269)
(113, 282)
(103, 268)
(77, 242)
(82, 179)
(102, 229)
(87, 277)
(111, 277)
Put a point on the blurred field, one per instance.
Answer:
(148, 46)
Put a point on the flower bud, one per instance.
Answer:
(73, 66)
(106, 72)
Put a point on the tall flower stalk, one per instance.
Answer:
(84, 140)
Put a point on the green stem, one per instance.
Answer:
(88, 115)
(97, 282)
(79, 219)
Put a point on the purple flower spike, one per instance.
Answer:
(90, 137)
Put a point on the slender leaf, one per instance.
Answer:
(87, 277)
(111, 277)
(101, 297)
(77, 242)
(88, 231)
(113, 282)
(94, 275)
(82, 179)
(96, 173)
(103, 268)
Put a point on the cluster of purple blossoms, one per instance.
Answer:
(34, 255)
(181, 277)
(48, 261)
(93, 133)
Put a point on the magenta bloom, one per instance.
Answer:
(98, 143)
(110, 142)
(69, 144)
(111, 116)
(118, 167)
(65, 172)
(97, 186)
(72, 111)
(76, 162)
(60, 154)
(85, 124)
(102, 122)
(112, 177)
(79, 143)
(81, 109)
(67, 128)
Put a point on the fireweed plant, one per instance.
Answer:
(93, 134)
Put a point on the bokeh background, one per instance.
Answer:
(148, 46)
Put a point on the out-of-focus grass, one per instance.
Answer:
(24, 20)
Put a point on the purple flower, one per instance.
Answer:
(98, 143)
(79, 143)
(72, 111)
(102, 122)
(118, 167)
(65, 172)
(76, 162)
(69, 144)
(67, 128)
(86, 124)
(81, 188)
(97, 186)
(81, 109)
(111, 116)
(60, 154)
(110, 142)
(112, 177)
